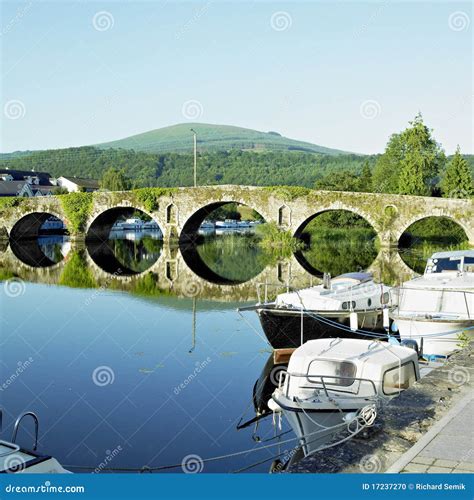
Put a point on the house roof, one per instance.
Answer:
(21, 174)
(11, 188)
(81, 182)
(45, 189)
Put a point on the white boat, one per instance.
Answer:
(434, 309)
(207, 224)
(15, 459)
(345, 306)
(227, 224)
(334, 386)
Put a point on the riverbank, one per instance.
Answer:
(403, 423)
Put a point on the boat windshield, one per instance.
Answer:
(439, 265)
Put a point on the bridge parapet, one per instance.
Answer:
(181, 209)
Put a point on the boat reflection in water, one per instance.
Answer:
(127, 252)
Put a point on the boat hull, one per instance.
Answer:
(439, 337)
(283, 328)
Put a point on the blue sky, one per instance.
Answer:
(339, 74)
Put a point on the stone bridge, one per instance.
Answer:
(179, 211)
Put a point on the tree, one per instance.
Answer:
(365, 179)
(411, 162)
(457, 181)
(342, 180)
(387, 167)
(115, 180)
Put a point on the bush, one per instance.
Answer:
(77, 207)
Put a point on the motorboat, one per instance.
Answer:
(335, 386)
(435, 308)
(15, 459)
(227, 224)
(350, 305)
(207, 224)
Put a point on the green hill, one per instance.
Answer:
(179, 139)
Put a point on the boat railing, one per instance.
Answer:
(326, 385)
(466, 299)
(264, 288)
(17, 425)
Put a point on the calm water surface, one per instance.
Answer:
(143, 379)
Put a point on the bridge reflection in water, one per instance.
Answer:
(228, 269)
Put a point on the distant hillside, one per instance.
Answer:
(179, 139)
(176, 169)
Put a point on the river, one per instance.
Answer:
(127, 367)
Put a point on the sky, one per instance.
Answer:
(344, 75)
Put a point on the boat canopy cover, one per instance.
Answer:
(455, 254)
(360, 277)
(371, 358)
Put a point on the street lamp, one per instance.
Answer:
(195, 156)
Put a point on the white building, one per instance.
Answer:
(75, 184)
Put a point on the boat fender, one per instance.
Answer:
(354, 321)
(411, 344)
(349, 417)
(386, 319)
(274, 406)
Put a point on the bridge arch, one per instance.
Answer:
(335, 207)
(314, 270)
(110, 254)
(24, 242)
(28, 226)
(189, 239)
(469, 231)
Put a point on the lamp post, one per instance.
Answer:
(195, 156)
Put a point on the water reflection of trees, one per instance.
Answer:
(339, 242)
(136, 255)
(427, 236)
(235, 257)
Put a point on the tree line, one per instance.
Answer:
(413, 163)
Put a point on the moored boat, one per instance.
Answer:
(335, 386)
(436, 308)
(15, 459)
(350, 305)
